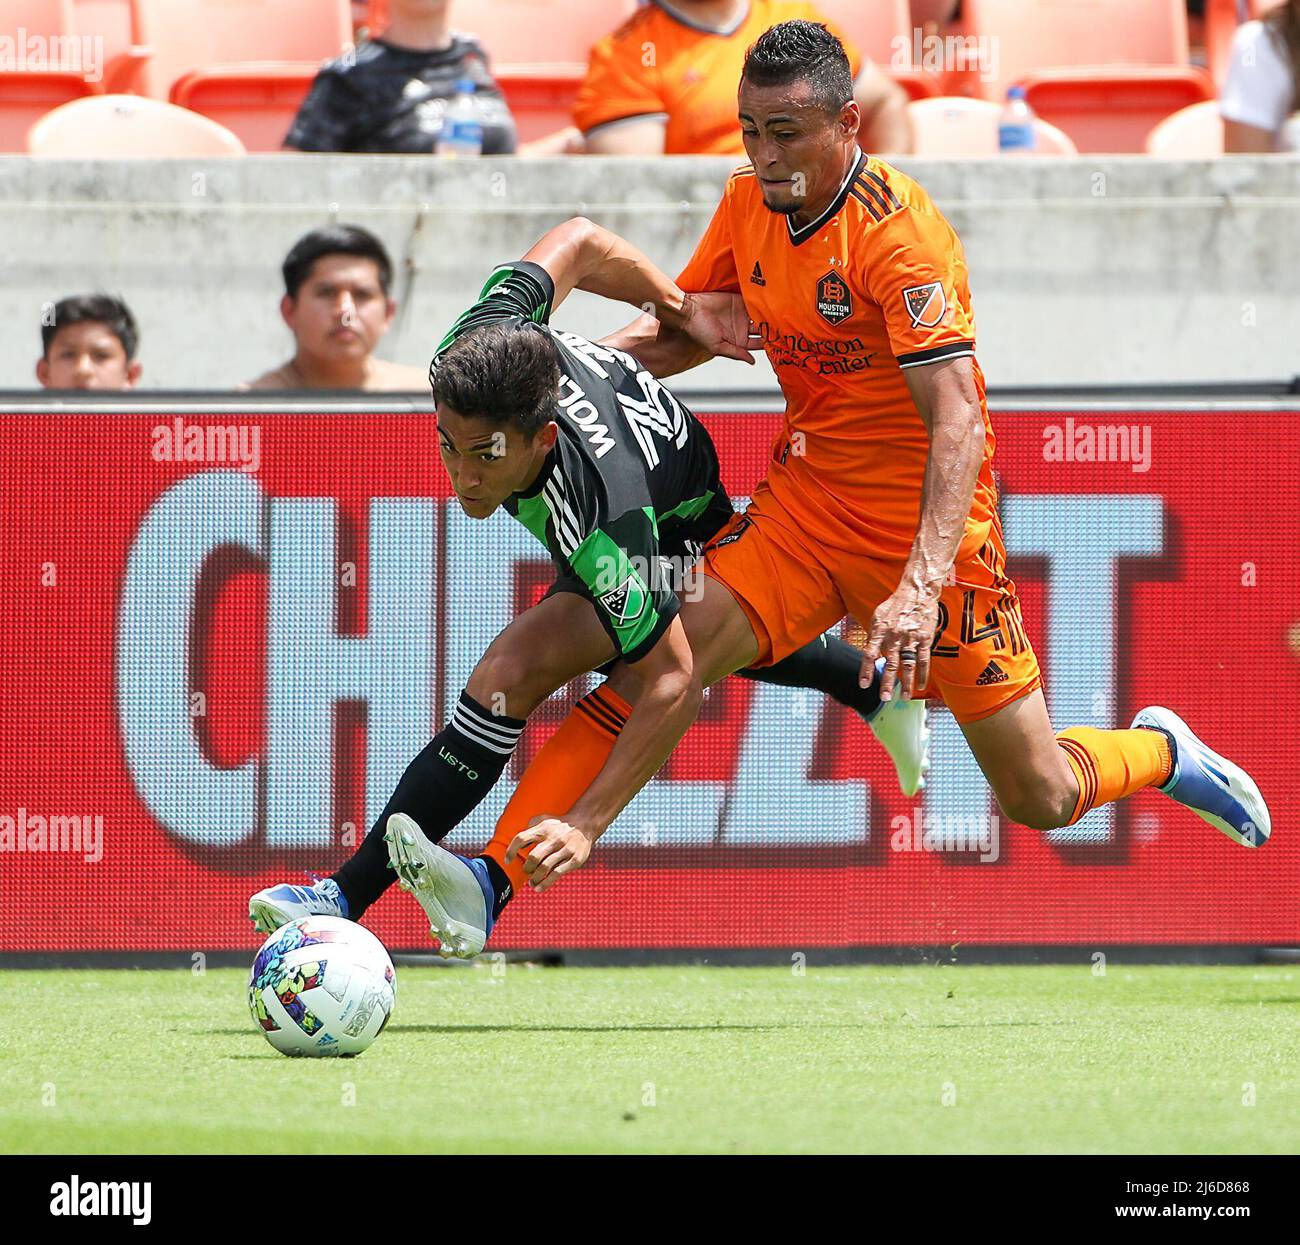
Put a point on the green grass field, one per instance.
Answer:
(914, 1060)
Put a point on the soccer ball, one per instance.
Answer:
(321, 986)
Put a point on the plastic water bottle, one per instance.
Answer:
(462, 129)
(1016, 124)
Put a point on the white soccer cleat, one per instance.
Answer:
(278, 905)
(1210, 785)
(903, 728)
(454, 892)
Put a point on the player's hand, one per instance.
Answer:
(720, 323)
(902, 624)
(560, 849)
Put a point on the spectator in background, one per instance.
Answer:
(666, 81)
(390, 94)
(1262, 88)
(337, 305)
(90, 343)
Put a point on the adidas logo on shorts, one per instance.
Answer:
(993, 673)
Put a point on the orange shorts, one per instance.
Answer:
(793, 587)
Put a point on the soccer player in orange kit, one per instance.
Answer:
(879, 501)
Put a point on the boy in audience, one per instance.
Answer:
(337, 305)
(391, 93)
(89, 343)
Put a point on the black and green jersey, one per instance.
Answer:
(632, 484)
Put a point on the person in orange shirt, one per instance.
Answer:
(879, 501)
(664, 82)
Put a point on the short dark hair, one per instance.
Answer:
(334, 240)
(100, 308)
(506, 373)
(799, 51)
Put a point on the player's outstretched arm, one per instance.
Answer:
(581, 255)
(946, 398)
(665, 351)
(668, 698)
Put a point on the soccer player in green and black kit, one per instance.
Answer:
(619, 481)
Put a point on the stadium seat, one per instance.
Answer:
(126, 54)
(542, 32)
(956, 125)
(1113, 109)
(244, 63)
(540, 96)
(538, 52)
(1040, 37)
(118, 127)
(257, 102)
(1192, 133)
(874, 27)
(1221, 20)
(917, 84)
(28, 92)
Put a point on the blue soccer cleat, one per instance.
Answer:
(278, 905)
(455, 893)
(903, 728)
(1210, 785)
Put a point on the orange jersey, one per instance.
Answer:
(660, 66)
(877, 284)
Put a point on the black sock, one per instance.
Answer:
(502, 891)
(439, 789)
(826, 664)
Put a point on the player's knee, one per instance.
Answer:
(507, 680)
(1041, 806)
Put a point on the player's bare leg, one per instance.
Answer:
(541, 650)
(1027, 769)
(1044, 780)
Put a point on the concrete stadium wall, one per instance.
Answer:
(1089, 271)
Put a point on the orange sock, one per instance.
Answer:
(560, 772)
(1113, 764)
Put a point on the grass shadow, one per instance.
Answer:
(629, 1028)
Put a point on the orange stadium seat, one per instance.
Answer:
(538, 52)
(32, 86)
(1104, 71)
(550, 32)
(1192, 133)
(874, 27)
(883, 32)
(1038, 36)
(119, 127)
(956, 125)
(244, 63)
(1114, 109)
(1221, 21)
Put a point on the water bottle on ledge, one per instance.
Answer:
(462, 127)
(1016, 125)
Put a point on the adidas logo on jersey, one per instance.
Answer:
(993, 673)
(757, 276)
